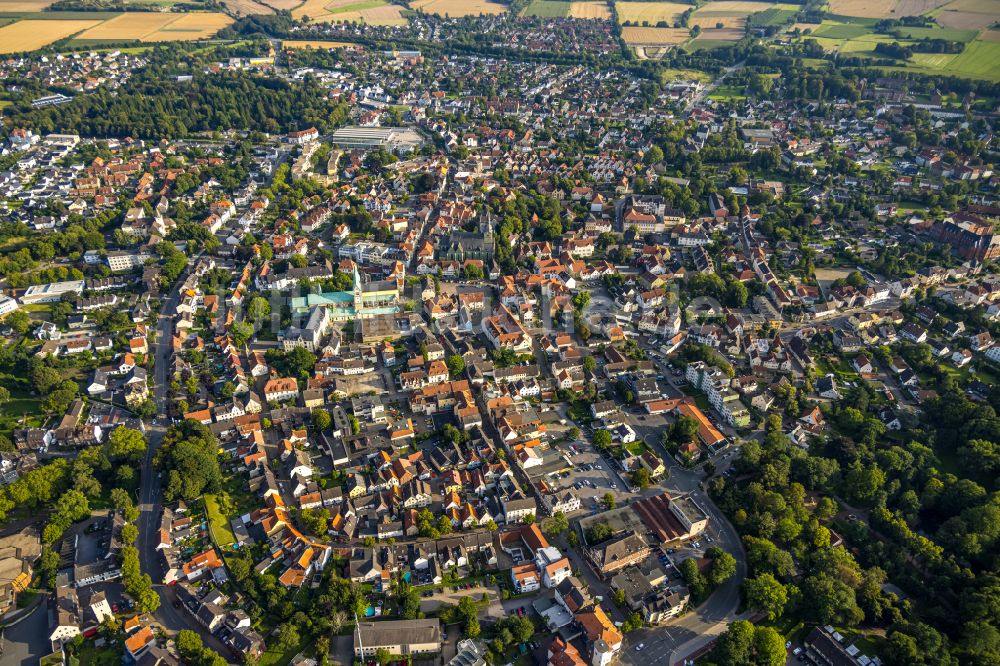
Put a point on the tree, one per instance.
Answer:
(126, 443)
(589, 364)
(768, 647)
(241, 332)
(383, 656)
(188, 644)
(258, 310)
(640, 478)
(120, 499)
(556, 524)
(831, 601)
(764, 593)
(683, 430)
(288, 635)
(735, 645)
(456, 365)
(653, 155)
(321, 419)
(723, 566)
(189, 458)
(602, 439)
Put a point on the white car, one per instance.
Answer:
(639, 646)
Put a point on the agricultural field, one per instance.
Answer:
(7, 6)
(590, 9)
(650, 12)
(655, 36)
(375, 12)
(968, 14)
(283, 5)
(458, 7)
(31, 34)
(547, 9)
(158, 27)
(247, 7)
(731, 13)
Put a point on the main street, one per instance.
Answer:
(172, 619)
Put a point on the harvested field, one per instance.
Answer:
(990, 36)
(24, 5)
(976, 6)
(189, 27)
(590, 10)
(247, 7)
(916, 7)
(376, 12)
(316, 44)
(283, 4)
(719, 35)
(655, 36)
(458, 7)
(31, 35)
(651, 12)
(133, 25)
(865, 8)
(965, 20)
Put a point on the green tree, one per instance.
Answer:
(640, 478)
(609, 500)
(735, 646)
(602, 439)
(126, 443)
(189, 459)
(321, 419)
(768, 647)
(456, 365)
(764, 593)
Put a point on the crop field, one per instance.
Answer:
(968, 14)
(715, 37)
(247, 7)
(30, 35)
(651, 12)
(458, 7)
(190, 27)
(24, 5)
(590, 9)
(547, 9)
(990, 36)
(655, 36)
(134, 25)
(283, 5)
(730, 13)
(375, 12)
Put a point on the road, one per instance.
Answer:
(707, 90)
(150, 499)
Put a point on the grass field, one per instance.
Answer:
(590, 9)
(30, 35)
(458, 7)
(218, 523)
(879, 9)
(547, 9)
(650, 12)
(655, 36)
(772, 16)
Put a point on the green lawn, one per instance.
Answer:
(547, 9)
(275, 657)
(218, 523)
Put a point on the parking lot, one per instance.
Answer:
(592, 477)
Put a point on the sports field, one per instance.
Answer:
(30, 35)
(650, 12)
(458, 7)
(590, 9)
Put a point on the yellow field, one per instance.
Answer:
(730, 13)
(31, 35)
(159, 27)
(24, 5)
(720, 35)
(458, 7)
(316, 44)
(283, 4)
(655, 36)
(189, 27)
(652, 12)
(589, 10)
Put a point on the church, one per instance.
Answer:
(365, 300)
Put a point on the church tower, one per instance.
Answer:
(358, 293)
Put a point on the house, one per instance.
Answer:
(281, 389)
(397, 637)
(826, 387)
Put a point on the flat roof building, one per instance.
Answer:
(399, 637)
(396, 139)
